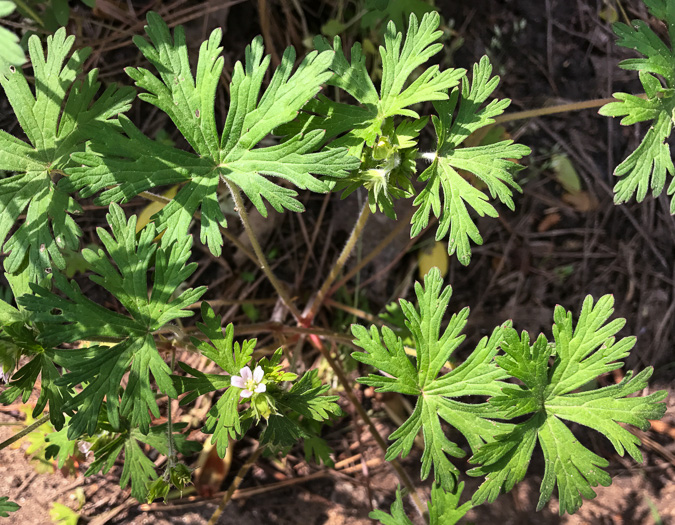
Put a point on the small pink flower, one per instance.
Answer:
(249, 381)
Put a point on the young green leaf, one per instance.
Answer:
(223, 419)
(548, 394)
(658, 57)
(443, 508)
(477, 376)
(447, 191)
(318, 451)
(75, 317)
(648, 167)
(386, 169)
(57, 120)
(133, 163)
(388, 161)
(60, 447)
(305, 398)
(396, 515)
(359, 125)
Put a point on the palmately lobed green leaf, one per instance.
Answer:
(231, 356)
(444, 508)
(43, 367)
(228, 354)
(641, 38)
(548, 394)
(604, 408)
(138, 469)
(353, 126)
(131, 164)
(304, 404)
(399, 62)
(306, 397)
(648, 167)
(447, 190)
(281, 433)
(58, 117)
(437, 394)
(26, 363)
(388, 355)
(229, 419)
(396, 514)
(187, 102)
(75, 317)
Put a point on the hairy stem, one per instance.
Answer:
(24, 432)
(235, 484)
(240, 207)
(313, 307)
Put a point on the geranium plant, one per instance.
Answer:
(99, 371)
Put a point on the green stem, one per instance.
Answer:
(235, 484)
(313, 307)
(24, 432)
(240, 207)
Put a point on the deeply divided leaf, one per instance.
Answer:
(449, 190)
(550, 377)
(444, 508)
(437, 395)
(138, 470)
(649, 167)
(123, 272)
(57, 117)
(367, 128)
(400, 57)
(134, 163)
(281, 407)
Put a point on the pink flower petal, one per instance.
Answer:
(246, 393)
(246, 373)
(260, 388)
(238, 382)
(258, 374)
